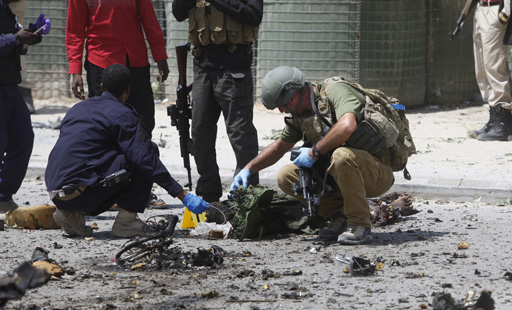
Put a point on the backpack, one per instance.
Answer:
(384, 125)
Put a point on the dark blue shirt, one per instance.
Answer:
(94, 135)
(10, 74)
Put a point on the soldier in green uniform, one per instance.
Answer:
(357, 174)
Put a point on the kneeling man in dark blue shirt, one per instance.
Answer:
(99, 137)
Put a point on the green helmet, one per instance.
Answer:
(279, 85)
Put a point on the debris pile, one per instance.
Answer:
(155, 250)
(360, 265)
(30, 274)
(444, 301)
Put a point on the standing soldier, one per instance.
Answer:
(222, 82)
(491, 70)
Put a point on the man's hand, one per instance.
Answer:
(242, 178)
(163, 69)
(25, 36)
(195, 204)
(304, 160)
(77, 86)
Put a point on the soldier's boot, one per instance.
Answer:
(336, 226)
(487, 126)
(500, 129)
(127, 224)
(355, 235)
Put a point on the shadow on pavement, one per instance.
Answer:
(52, 109)
(400, 237)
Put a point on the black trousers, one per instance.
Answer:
(130, 195)
(229, 93)
(16, 141)
(141, 94)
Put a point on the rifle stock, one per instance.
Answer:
(181, 112)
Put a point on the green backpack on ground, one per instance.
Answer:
(258, 211)
(384, 125)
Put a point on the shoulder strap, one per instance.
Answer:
(315, 108)
(289, 122)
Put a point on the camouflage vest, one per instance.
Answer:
(207, 25)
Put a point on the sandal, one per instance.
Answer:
(155, 203)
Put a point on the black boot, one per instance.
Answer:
(500, 129)
(492, 116)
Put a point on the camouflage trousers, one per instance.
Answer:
(358, 174)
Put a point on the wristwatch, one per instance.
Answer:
(316, 152)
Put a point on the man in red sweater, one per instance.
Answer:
(113, 33)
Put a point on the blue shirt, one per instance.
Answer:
(97, 137)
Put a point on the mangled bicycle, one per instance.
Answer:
(156, 242)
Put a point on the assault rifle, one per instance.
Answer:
(181, 112)
(308, 186)
(470, 4)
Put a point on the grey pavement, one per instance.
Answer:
(452, 179)
(448, 164)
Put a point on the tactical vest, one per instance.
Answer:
(311, 126)
(383, 125)
(207, 25)
(10, 63)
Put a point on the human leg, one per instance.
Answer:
(359, 175)
(205, 114)
(233, 91)
(481, 78)
(331, 203)
(130, 195)
(16, 142)
(141, 96)
(93, 79)
(495, 71)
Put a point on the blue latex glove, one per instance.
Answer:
(195, 204)
(242, 178)
(43, 22)
(303, 160)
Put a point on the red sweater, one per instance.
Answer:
(112, 31)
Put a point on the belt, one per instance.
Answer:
(75, 194)
(490, 3)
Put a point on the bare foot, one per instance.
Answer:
(404, 201)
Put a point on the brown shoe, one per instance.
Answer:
(73, 222)
(127, 225)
